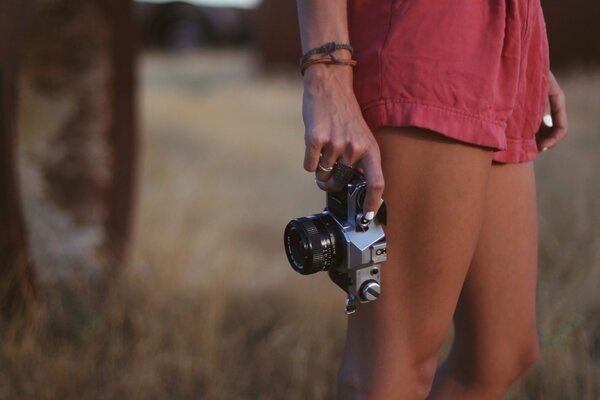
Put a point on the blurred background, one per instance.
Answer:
(151, 156)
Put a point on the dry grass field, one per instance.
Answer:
(210, 308)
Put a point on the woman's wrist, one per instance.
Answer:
(326, 55)
(320, 74)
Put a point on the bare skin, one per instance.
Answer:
(479, 252)
(496, 338)
(334, 126)
(435, 189)
(548, 137)
(461, 238)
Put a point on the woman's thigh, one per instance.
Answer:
(435, 191)
(496, 313)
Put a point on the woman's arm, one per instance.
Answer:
(322, 21)
(334, 126)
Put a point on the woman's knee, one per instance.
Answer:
(501, 366)
(515, 362)
(409, 379)
(525, 357)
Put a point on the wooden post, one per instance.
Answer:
(79, 62)
(122, 133)
(17, 282)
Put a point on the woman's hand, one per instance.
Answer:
(554, 129)
(336, 131)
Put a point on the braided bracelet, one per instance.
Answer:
(326, 59)
(328, 48)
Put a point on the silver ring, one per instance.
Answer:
(325, 169)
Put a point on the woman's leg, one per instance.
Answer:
(496, 338)
(435, 190)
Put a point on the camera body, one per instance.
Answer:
(340, 241)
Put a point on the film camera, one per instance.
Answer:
(342, 242)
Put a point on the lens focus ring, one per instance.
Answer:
(315, 243)
(311, 243)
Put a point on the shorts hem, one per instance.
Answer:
(452, 123)
(445, 120)
(517, 151)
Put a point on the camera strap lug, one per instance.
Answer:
(362, 224)
(350, 305)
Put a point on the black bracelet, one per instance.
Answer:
(327, 48)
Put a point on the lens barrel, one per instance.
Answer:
(313, 243)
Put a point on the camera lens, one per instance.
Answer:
(312, 243)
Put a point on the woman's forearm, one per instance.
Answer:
(335, 128)
(322, 21)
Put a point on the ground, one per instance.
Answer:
(210, 307)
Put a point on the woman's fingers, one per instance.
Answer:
(367, 160)
(347, 152)
(331, 153)
(314, 143)
(371, 164)
(550, 136)
(559, 113)
(331, 184)
(340, 136)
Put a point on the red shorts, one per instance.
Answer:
(475, 71)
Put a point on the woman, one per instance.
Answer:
(446, 103)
